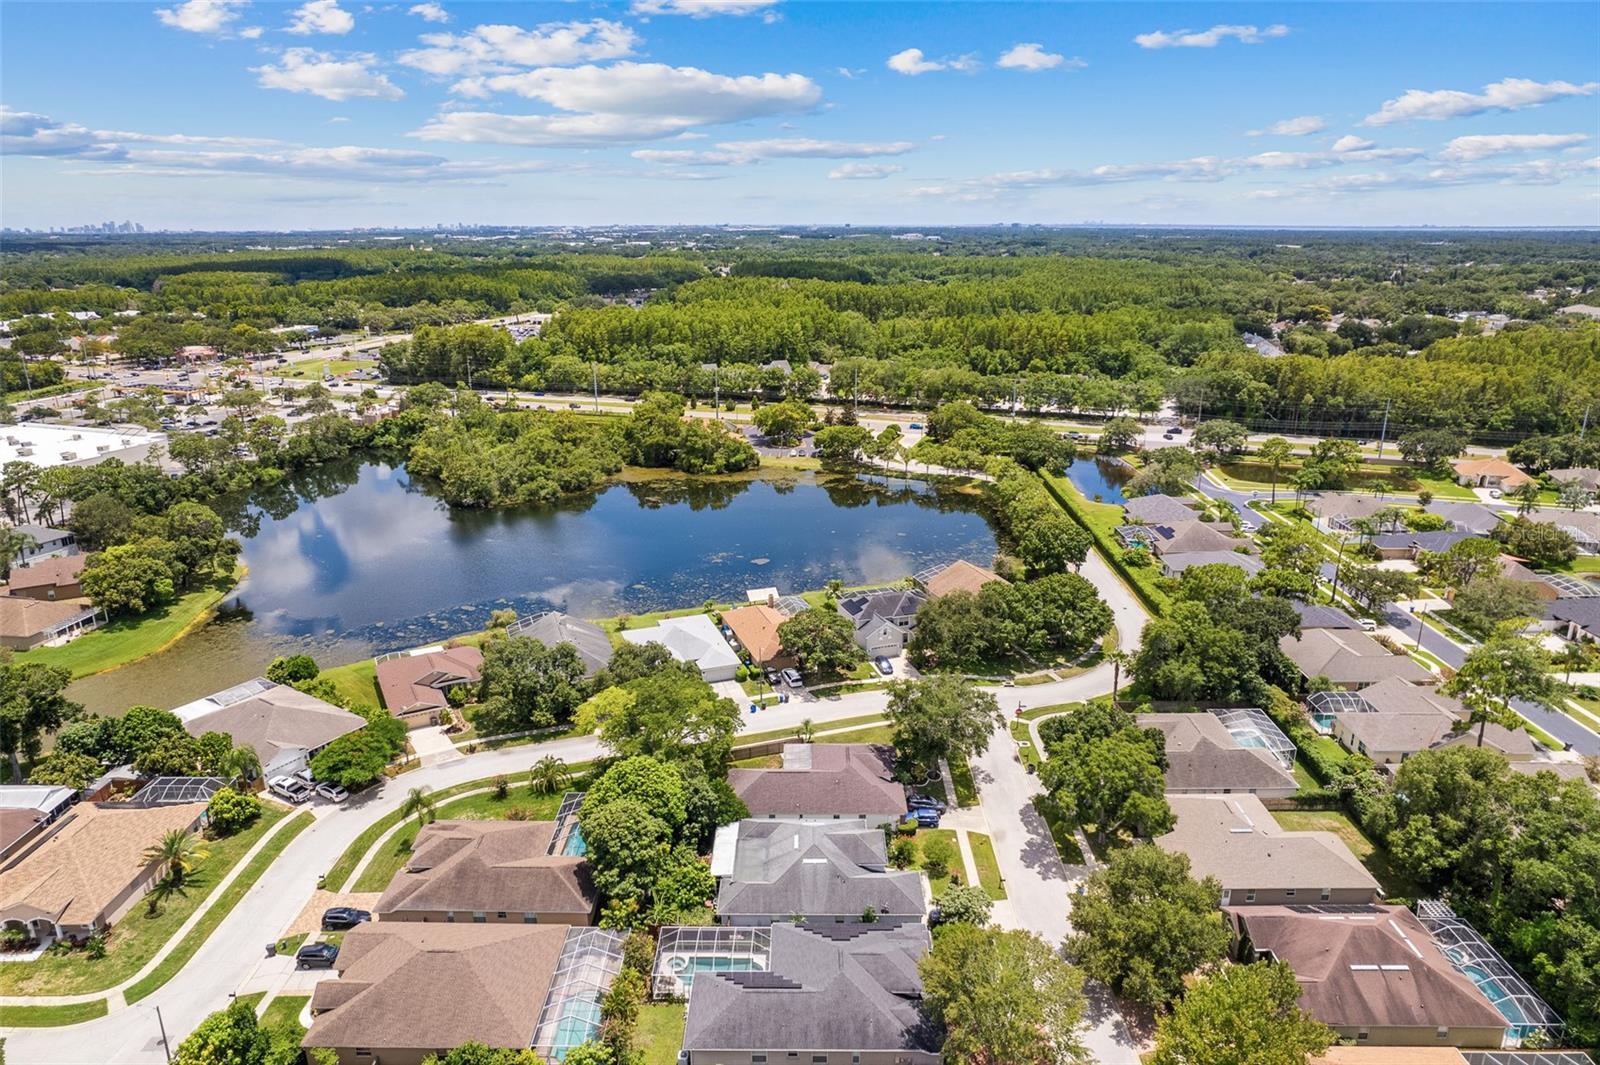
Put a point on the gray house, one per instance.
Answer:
(883, 618)
(552, 627)
(834, 995)
(825, 782)
(772, 871)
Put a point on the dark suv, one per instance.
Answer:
(316, 956)
(342, 917)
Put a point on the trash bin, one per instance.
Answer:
(272, 950)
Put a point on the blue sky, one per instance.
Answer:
(197, 114)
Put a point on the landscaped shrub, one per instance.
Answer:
(231, 810)
(937, 854)
(902, 852)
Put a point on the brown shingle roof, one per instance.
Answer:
(488, 866)
(1203, 756)
(414, 985)
(1346, 657)
(24, 617)
(75, 872)
(1236, 839)
(417, 681)
(49, 572)
(823, 778)
(959, 576)
(1509, 475)
(757, 628)
(1376, 968)
(274, 720)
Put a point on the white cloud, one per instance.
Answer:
(1480, 146)
(1291, 127)
(1209, 38)
(250, 33)
(1509, 94)
(429, 12)
(498, 49)
(1032, 57)
(864, 171)
(321, 16)
(201, 16)
(739, 153)
(1351, 143)
(703, 8)
(321, 74)
(912, 62)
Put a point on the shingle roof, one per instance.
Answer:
(756, 627)
(418, 681)
(1441, 540)
(867, 608)
(553, 627)
(408, 984)
(786, 867)
(1203, 756)
(1474, 517)
(830, 992)
(49, 572)
(1158, 510)
(1509, 475)
(959, 576)
(24, 617)
(1313, 616)
(1347, 505)
(1236, 839)
(1583, 612)
(1377, 967)
(691, 638)
(488, 866)
(823, 778)
(1190, 537)
(91, 857)
(1178, 561)
(1348, 658)
(274, 719)
(1587, 476)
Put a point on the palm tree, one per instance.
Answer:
(178, 850)
(1527, 496)
(1120, 660)
(12, 544)
(419, 801)
(1275, 451)
(242, 764)
(807, 730)
(1572, 656)
(548, 775)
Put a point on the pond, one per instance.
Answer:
(1101, 479)
(356, 559)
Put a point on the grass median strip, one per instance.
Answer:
(988, 865)
(186, 948)
(51, 1016)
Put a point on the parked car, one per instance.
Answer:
(916, 425)
(925, 817)
(1368, 625)
(925, 802)
(885, 666)
(339, 918)
(289, 789)
(316, 956)
(1494, 493)
(1248, 526)
(304, 776)
(332, 792)
(791, 677)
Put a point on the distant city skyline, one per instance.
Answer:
(332, 114)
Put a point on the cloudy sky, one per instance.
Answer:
(197, 114)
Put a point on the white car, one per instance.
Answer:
(332, 792)
(289, 789)
(1248, 526)
(791, 677)
(1368, 625)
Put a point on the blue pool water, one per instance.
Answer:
(686, 966)
(575, 847)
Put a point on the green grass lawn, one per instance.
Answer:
(660, 1032)
(966, 787)
(196, 937)
(988, 865)
(1060, 826)
(1101, 520)
(1581, 564)
(1303, 777)
(1030, 755)
(956, 870)
(744, 738)
(485, 807)
(136, 937)
(1048, 711)
(51, 1016)
(1394, 883)
(285, 1011)
(878, 734)
(130, 639)
(313, 368)
(289, 944)
(1257, 477)
(357, 682)
(760, 761)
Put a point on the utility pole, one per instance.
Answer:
(716, 390)
(1581, 432)
(1013, 397)
(594, 372)
(1383, 434)
(855, 387)
(165, 1048)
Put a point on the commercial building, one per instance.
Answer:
(825, 782)
(773, 871)
(489, 872)
(44, 444)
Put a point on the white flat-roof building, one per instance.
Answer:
(47, 445)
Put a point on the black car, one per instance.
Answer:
(342, 917)
(316, 956)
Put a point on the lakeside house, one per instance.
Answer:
(28, 623)
(1349, 659)
(835, 994)
(756, 628)
(415, 684)
(404, 991)
(552, 627)
(1205, 757)
(883, 618)
(825, 782)
(827, 873)
(1371, 973)
(1158, 509)
(1235, 839)
(285, 726)
(53, 578)
(87, 869)
(692, 638)
(26, 810)
(489, 872)
(957, 576)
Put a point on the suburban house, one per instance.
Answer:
(489, 872)
(692, 638)
(1351, 660)
(1577, 619)
(28, 623)
(1205, 758)
(1582, 525)
(1183, 537)
(1468, 517)
(552, 627)
(1512, 569)
(1488, 473)
(413, 683)
(958, 576)
(285, 726)
(1582, 476)
(1339, 511)
(87, 869)
(756, 628)
(404, 991)
(1173, 565)
(833, 995)
(1314, 616)
(47, 543)
(770, 871)
(26, 810)
(1372, 973)
(1157, 509)
(825, 782)
(51, 578)
(1406, 545)
(1236, 839)
(1392, 720)
(883, 618)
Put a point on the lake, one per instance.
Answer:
(1101, 480)
(355, 559)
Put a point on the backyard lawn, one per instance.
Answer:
(136, 938)
(130, 639)
(660, 1031)
(1394, 883)
(357, 682)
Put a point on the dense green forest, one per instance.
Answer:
(1103, 322)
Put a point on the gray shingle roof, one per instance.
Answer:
(1425, 541)
(848, 779)
(1348, 658)
(553, 627)
(1178, 561)
(818, 870)
(866, 608)
(488, 866)
(1236, 839)
(1313, 616)
(1158, 510)
(1203, 756)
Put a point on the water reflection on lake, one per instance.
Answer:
(356, 559)
(1101, 479)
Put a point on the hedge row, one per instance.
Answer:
(1140, 579)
